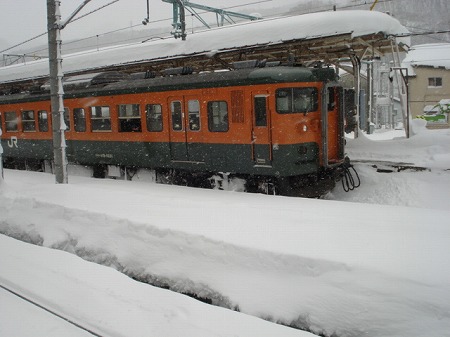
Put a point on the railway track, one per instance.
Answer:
(386, 166)
(49, 310)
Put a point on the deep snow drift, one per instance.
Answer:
(374, 264)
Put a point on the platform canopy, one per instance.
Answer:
(327, 37)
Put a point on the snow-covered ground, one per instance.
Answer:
(371, 262)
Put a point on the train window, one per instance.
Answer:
(28, 121)
(260, 111)
(43, 120)
(218, 116)
(296, 100)
(129, 118)
(194, 115)
(11, 121)
(79, 120)
(177, 115)
(100, 118)
(154, 117)
(67, 118)
(331, 99)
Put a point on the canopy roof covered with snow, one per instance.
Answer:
(428, 55)
(307, 38)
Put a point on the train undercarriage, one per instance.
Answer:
(308, 185)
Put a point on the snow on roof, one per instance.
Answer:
(429, 55)
(262, 32)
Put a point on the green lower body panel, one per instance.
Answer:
(282, 161)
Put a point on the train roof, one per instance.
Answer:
(126, 85)
(317, 36)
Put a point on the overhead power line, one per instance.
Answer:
(45, 33)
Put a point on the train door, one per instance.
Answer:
(261, 133)
(333, 122)
(184, 128)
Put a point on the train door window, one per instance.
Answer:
(43, 120)
(67, 118)
(28, 121)
(154, 117)
(100, 118)
(194, 115)
(296, 100)
(79, 120)
(11, 121)
(260, 111)
(218, 116)
(177, 115)
(129, 118)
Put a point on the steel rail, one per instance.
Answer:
(52, 312)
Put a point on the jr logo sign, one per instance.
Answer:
(12, 142)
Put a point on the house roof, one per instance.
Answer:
(435, 55)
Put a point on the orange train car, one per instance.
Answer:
(280, 127)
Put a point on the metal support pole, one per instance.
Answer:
(357, 83)
(54, 26)
(56, 91)
(405, 77)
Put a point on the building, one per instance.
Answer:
(429, 81)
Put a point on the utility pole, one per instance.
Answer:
(54, 27)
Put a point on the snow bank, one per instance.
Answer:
(330, 267)
(105, 301)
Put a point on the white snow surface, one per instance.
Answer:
(260, 32)
(428, 55)
(372, 262)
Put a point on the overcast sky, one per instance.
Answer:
(21, 20)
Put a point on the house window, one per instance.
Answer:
(100, 118)
(434, 82)
(28, 121)
(129, 118)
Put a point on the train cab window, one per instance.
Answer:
(28, 121)
(129, 118)
(79, 120)
(154, 117)
(11, 121)
(194, 115)
(218, 116)
(67, 118)
(100, 118)
(296, 100)
(177, 115)
(43, 120)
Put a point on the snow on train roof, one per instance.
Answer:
(227, 38)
